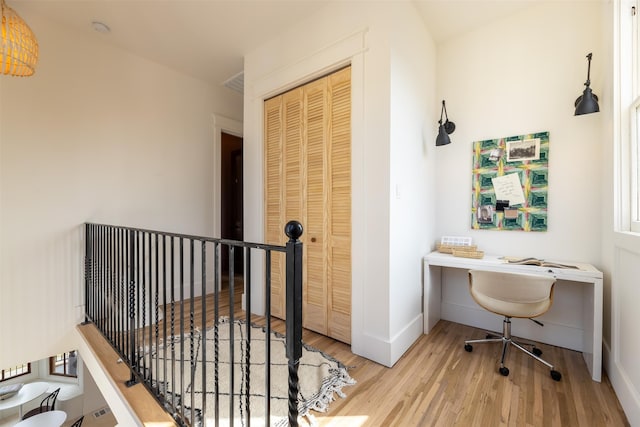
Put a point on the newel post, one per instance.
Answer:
(293, 230)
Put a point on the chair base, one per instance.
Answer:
(507, 340)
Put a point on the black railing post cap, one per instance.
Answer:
(293, 229)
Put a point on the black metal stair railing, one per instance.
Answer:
(153, 295)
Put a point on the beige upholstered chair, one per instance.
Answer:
(512, 295)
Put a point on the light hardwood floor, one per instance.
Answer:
(437, 383)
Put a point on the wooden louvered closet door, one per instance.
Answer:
(308, 177)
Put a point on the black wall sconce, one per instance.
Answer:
(588, 101)
(445, 128)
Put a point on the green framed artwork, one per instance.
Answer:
(510, 183)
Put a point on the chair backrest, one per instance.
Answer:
(512, 294)
(49, 402)
(78, 422)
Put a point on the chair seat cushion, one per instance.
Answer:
(509, 308)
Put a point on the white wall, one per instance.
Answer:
(95, 135)
(412, 155)
(522, 75)
(383, 315)
(512, 77)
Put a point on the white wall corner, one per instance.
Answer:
(388, 352)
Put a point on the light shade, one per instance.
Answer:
(19, 50)
(588, 101)
(445, 129)
(443, 137)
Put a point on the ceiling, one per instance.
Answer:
(208, 38)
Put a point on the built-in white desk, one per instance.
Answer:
(590, 343)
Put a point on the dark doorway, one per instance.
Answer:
(231, 226)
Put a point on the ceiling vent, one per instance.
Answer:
(236, 82)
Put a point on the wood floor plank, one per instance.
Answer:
(453, 387)
(438, 383)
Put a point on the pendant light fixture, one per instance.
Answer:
(19, 50)
(445, 129)
(588, 101)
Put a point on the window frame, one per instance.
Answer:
(54, 361)
(631, 107)
(16, 368)
(634, 112)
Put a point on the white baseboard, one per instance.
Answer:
(388, 352)
(623, 386)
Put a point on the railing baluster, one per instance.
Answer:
(216, 336)
(164, 314)
(132, 308)
(203, 328)
(116, 301)
(97, 273)
(124, 292)
(87, 269)
(267, 341)
(146, 251)
(112, 287)
(191, 325)
(173, 319)
(139, 294)
(247, 290)
(232, 356)
(182, 325)
(156, 319)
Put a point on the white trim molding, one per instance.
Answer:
(232, 127)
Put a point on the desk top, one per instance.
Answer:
(27, 393)
(584, 272)
(45, 419)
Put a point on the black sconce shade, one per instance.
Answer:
(588, 101)
(445, 129)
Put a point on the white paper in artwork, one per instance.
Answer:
(508, 187)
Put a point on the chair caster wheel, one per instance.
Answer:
(556, 375)
(537, 351)
(504, 371)
(468, 347)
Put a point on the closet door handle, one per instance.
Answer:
(313, 240)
